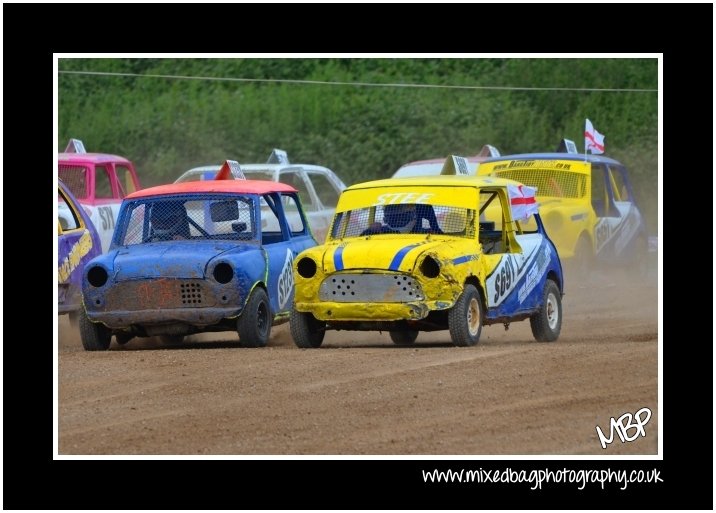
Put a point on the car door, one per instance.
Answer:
(608, 215)
(282, 241)
(70, 232)
(630, 223)
(515, 264)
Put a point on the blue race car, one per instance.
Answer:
(196, 257)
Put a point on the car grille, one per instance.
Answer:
(159, 294)
(190, 293)
(370, 288)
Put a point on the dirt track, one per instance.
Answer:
(360, 394)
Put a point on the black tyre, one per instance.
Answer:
(95, 336)
(170, 340)
(583, 260)
(123, 338)
(254, 323)
(404, 338)
(547, 322)
(307, 331)
(465, 318)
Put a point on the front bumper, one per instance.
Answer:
(200, 317)
(410, 311)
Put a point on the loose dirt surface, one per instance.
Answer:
(360, 394)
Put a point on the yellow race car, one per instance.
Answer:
(430, 253)
(587, 205)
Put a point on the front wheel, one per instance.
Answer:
(547, 322)
(307, 331)
(254, 323)
(404, 338)
(465, 318)
(95, 336)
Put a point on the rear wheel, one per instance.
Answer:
(404, 338)
(547, 322)
(95, 336)
(465, 318)
(307, 331)
(583, 259)
(254, 323)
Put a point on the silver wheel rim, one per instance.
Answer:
(552, 311)
(473, 317)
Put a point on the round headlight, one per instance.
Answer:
(223, 272)
(306, 267)
(97, 276)
(430, 267)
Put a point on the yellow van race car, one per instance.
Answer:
(587, 205)
(430, 253)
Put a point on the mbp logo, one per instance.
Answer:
(623, 425)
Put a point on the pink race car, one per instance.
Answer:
(99, 181)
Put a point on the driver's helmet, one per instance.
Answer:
(168, 219)
(400, 217)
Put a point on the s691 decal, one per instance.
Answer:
(285, 280)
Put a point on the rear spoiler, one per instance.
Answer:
(230, 170)
(278, 157)
(567, 146)
(489, 151)
(455, 165)
(75, 146)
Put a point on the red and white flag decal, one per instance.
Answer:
(593, 140)
(522, 201)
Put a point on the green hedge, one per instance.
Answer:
(167, 125)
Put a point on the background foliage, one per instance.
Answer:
(166, 126)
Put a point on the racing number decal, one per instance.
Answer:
(107, 216)
(285, 280)
(505, 277)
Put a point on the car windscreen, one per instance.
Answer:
(406, 218)
(189, 217)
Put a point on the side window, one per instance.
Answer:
(293, 215)
(124, 180)
(325, 190)
(295, 180)
(492, 235)
(75, 178)
(270, 224)
(621, 192)
(600, 196)
(102, 183)
(66, 214)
